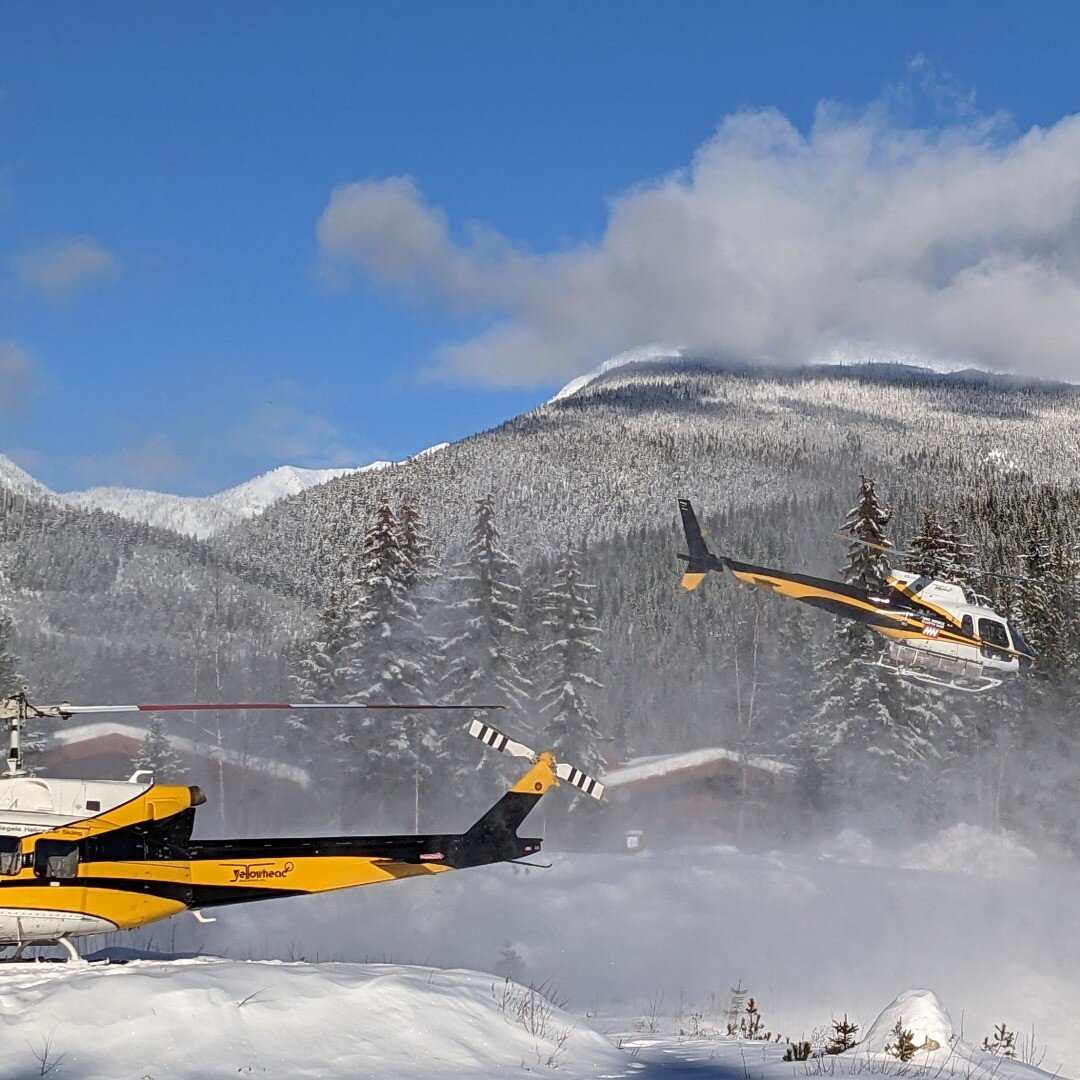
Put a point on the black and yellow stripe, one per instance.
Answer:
(137, 863)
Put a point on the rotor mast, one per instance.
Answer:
(16, 710)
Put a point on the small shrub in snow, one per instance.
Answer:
(842, 1036)
(903, 1045)
(1003, 1041)
(798, 1051)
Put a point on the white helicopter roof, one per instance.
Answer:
(947, 594)
(30, 804)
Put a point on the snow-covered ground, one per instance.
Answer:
(812, 937)
(202, 1019)
(212, 1017)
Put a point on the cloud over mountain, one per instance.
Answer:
(957, 243)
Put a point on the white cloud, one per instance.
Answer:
(19, 381)
(65, 265)
(863, 235)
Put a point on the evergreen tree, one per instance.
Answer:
(158, 754)
(927, 552)
(482, 650)
(316, 673)
(867, 563)
(417, 562)
(571, 654)
(10, 679)
(383, 663)
(1046, 608)
(859, 725)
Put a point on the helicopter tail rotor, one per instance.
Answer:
(546, 762)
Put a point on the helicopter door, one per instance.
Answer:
(995, 639)
(56, 859)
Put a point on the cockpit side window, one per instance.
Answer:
(10, 855)
(994, 635)
(967, 626)
(56, 859)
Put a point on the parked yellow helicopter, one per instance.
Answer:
(935, 634)
(81, 857)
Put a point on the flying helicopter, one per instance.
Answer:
(935, 634)
(83, 857)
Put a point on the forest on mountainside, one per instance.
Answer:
(536, 564)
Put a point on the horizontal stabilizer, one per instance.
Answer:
(580, 780)
(489, 736)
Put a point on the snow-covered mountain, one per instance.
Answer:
(21, 482)
(197, 516)
(202, 517)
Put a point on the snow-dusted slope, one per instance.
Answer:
(21, 482)
(218, 1018)
(203, 517)
(650, 354)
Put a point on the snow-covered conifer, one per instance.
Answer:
(158, 754)
(571, 655)
(384, 663)
(484, 641)
(859, 718)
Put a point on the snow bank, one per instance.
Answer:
(970, 849)
(210, 1018)
(940, 1054)
(921, 1013)
(959, 849)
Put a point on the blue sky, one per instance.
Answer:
(169, 316)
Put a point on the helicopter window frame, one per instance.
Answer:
(57, 860)
(967, 626)
(995, 637)
(10, 855)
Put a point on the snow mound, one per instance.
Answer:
(850, 846)
(210, 1018)
(921, 1013)
(970, 849)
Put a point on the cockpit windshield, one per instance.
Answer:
(1019, 642)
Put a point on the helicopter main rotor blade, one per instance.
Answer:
(847, 538)
(887, 548)
(66, 709)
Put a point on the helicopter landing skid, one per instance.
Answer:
(72, 958)
(940, 671)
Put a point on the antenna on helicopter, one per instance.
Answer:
(18, 708)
